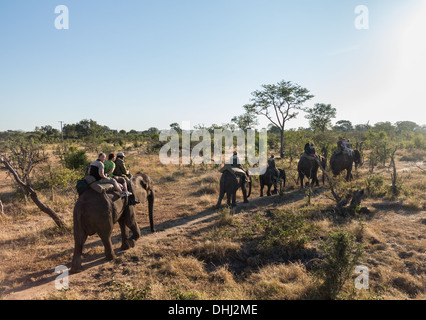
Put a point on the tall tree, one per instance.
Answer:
(343, 125)
(280, 103)
(247, 120)
(320, 116)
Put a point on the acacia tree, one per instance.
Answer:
(320, 121)
(280, 103)
(247, 120)
(320, 116)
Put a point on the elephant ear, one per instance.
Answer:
(140, 188)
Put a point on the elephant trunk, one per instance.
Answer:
(151, 209)
(249, 192)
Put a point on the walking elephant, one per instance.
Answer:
(308, 168)
(341, 161)
(229, 184)
(268, 180)
(96, 213)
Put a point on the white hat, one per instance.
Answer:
(120, 154)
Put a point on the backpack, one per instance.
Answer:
(81, 186)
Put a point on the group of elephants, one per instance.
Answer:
(96, 213)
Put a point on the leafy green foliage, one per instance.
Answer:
(341, 254)
(286, 231)
(320, 116)
(75, 159)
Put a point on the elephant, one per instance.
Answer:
(309, 168)
(267, 179)
(96, 213)
(340, 161)
(229, 184)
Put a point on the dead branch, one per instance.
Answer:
(355, 198)
(388, 204)
(27, 187)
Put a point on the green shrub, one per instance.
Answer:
(286, 231)
(75, 159)
(341, 255)
(375, 186)
(59, 178)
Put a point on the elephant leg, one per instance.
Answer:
(126, 243)
(131, 223)
(275, 182)
(268, 193)
(348, 175)
(219, 201)
(317, 180)
(106, 240)
(301, 177)
(244, 190)
(234, 199)
(228, 198)
(261, 188)
(78, 250)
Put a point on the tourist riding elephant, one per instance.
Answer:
(308, 167)
(98, 212)
(268, 180)
(229, 184)
(342, 161)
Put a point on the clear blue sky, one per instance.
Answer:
(140, 64)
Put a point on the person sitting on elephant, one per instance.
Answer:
(235, 167)
(272, 166)
(235, 161)
(341, 145)
(109, 165)
(97, 171)
(309, 150)
(121, 171)
(349, 148)
(313, 151)
(109, 170)
(120, 167)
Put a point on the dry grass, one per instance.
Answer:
(225, 257)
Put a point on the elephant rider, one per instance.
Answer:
(342, 147)
(349, 147)
(96, 170)
(235, 167)
(121, 171)
(109, 167)
(310, 150)
(120, 168)
(274, 170)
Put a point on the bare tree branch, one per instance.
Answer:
(46, 209)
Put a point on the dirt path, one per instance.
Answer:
(92, 265)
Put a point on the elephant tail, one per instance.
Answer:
(151, 198)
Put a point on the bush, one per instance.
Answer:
(375, 186)
(59, 178)
(286, 231)
(341, 255)
(75, 159)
